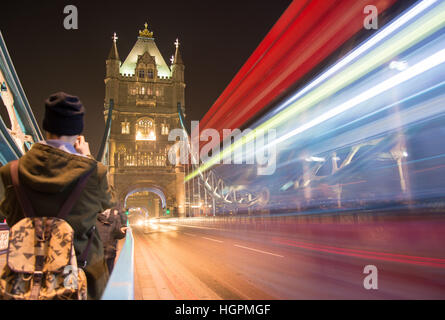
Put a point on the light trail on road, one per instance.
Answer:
(211, 263)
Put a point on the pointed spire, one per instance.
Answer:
(114, 55)
(178, 57)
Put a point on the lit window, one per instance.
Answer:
(164, 129)
(145, 130)
(125, 126)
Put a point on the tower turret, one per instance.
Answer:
(178, 65)
(178, 76)
(113, 61)
(112, 76)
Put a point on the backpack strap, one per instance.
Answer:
(66, 209)
(27, 208)
(74, 196)
(82, 260)
(26, 205)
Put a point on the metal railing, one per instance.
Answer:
(121, 283)
(24, 131)
(210, 185)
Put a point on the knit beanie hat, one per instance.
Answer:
(63, 115)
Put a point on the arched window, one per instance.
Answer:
(145, 130)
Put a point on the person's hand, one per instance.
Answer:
(124, 229)
(82, 146)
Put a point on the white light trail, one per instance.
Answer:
(422, 66)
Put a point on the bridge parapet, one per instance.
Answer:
(121, 283)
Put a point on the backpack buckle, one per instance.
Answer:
(82, 264)
(82, 261)
(90, 232)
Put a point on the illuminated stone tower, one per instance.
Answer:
(146, 93)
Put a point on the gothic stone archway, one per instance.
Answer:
(168, 187)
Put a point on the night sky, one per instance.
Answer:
(216, 38)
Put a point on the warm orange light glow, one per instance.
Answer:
(151, 136)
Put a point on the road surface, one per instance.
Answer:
(192, 263)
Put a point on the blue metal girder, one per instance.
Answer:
(25, 116)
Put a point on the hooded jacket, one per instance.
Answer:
(49, 175)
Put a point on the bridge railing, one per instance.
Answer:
(121, 283)
(24, 131)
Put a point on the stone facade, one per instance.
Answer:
(146, 93)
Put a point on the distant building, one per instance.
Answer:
(146, 93)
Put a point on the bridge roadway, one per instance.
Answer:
(179, 261)
(176, 260)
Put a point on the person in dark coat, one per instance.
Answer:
(111, 229)
(49, 171)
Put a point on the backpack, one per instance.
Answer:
(41, 261)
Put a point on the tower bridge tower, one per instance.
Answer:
(146, 92)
